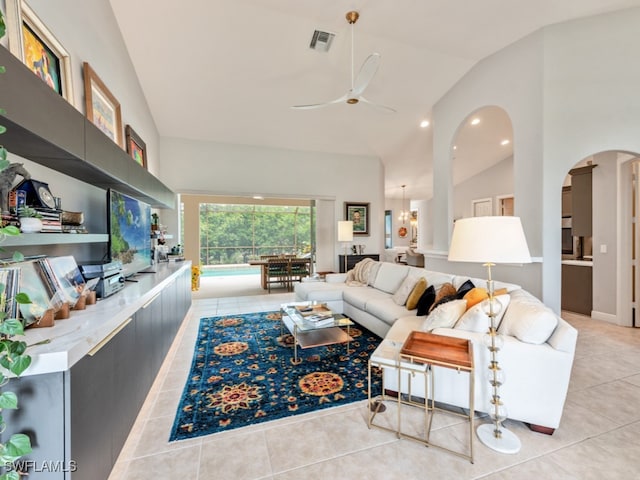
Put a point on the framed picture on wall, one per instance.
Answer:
(482, 207)
(358, 213)
(135, 146)
(33, 43)
(102, 107)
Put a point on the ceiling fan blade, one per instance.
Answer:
(366, 73)
(319, 105)
(384, 108)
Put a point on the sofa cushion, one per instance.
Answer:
(385, 309)
(475, 296)
(404, 290)
(475, 319)
(319, 291)
(373, 273)
(528, 319)
(437, 279)
(445, 315)
(446, 293)
(416, 293)
(390, 276)
(426, 300)
(360, 296)
(464, 288)
(482, 282)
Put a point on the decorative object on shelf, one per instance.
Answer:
(37, 193)
(154, 223)
(358, 213)
(30, 220)
(345, 235)
(402, 232)
(7, 177)
(33, 43)
(102, 107)
(491, 240)
(136, 146)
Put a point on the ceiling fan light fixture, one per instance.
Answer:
(352, 101)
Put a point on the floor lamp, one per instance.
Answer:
(492, 240)
(345, 234)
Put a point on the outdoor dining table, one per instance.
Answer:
(263, 263)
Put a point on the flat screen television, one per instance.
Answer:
(129, 227)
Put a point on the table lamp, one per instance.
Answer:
(345, 234)
(492, 240)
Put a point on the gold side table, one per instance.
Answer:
(421, 348)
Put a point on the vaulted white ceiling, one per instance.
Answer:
(229, 70)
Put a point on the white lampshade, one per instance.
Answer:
(345, 231)
(489, 240)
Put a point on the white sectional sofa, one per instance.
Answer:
(538, 347)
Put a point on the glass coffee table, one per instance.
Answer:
(298, 318)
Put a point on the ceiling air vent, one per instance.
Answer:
(321, 41)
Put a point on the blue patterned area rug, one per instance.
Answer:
(243, 373)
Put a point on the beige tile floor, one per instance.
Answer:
(599, 437)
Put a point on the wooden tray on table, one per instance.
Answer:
(440, 349)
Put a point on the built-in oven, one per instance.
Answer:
(567, 237)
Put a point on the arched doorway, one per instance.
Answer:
(482, 166)
(600, 269)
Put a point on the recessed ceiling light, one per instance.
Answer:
(455, 147)
(504, 142)
(424, 123)
(475, 121)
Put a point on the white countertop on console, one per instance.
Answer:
(72, 338)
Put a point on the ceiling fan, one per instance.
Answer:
(358, 83)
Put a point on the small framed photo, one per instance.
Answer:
(102, 107)
(358, 213)
(482, 207)
(33, 43)
(135, 146)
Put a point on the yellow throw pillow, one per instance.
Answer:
(416, 293)
(475, 295)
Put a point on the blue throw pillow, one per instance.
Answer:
(426, 300)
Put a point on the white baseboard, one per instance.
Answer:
(607, 317)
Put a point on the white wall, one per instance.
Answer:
(190, 166)
(604, 181)
(494, 181)
(571, 90)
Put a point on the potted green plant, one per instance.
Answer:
(30, 220)
(13, 359)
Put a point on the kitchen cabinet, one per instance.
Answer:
(577, 286)
(566, 202)
(581, 201)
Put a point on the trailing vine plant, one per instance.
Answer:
(13, 358)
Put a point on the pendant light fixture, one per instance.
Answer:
(404, 216)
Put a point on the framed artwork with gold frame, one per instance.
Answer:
(33, 43)
(103, 110)
(136, 146)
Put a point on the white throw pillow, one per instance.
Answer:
(444, 315)
(529, 320)
(476, 320)
(405, 288)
